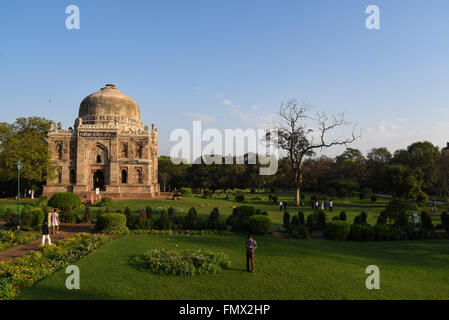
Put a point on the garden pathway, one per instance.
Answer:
(66, 230)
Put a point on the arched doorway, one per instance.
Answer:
(99, 180)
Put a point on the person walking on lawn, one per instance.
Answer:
(45, 233)
(251, 246)
(55, 222)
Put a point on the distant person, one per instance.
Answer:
(331, 204)
(434, 206)
(55, 222)
(281, 205)
(251, 246)
(45, 233)
(285, 205)
(49, 218)
(325, 205)
(322, 205)
(317, 204)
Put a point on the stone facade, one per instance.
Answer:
(109, 148)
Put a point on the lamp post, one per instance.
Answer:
(19, 166)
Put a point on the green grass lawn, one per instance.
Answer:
(285, 269)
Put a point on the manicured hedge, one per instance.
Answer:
(338, 230)
(259, 224)
(63, 200)
(32, 218)
(111, 223)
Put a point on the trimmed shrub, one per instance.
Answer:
(127, 211)
(68, 216)
(301, 219)
(260, 224)
(338, 230)
(63, 200)
(373, 198)
(105, 202)
(32, 218)
(357, 220)
(213, 221)
(298, 231)
(275, 199)
(320, 221)
(185, 191)
(363, 217)
(361, 232)
(239, 196)
(286, 219)
(342, 216)
(382, 219)
(87, 214)
(294, 221)
(149, 213)
(445, 221)
(426, 221)
(253, 190)
(239, 217)
(112, 223)
(191, 220)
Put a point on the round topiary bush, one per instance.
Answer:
(260, 224)
(111, 223)
(63, 200)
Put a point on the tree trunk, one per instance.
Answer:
(297, 196)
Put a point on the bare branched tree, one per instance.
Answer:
(301, 133)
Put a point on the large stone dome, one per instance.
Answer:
(109, 105)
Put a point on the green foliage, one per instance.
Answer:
(426, 221)
(382, 219)
(186, 263)
(239, 218)
(191, 220)
(112, 223)
(32, 218)
(274, 199)
(298, 231)
(445, 221)
(397, 207)
(260, 224)
(64, 199)
(342, 216)
(301, 219)
(338, 230)
(185, 192)
(286, 219)
(105, 202)
(316, 221)
(127, 211)
(213, 221)
(87, 214)
(239, 196)
(149, 212)
(373, 198)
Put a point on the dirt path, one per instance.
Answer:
(65, 231)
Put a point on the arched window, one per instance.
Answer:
(125, 150)
(98, 159)
(59, 148)
(72, 176)
(139, 150)
(124, 176)
(139, 176)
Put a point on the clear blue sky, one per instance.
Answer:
(231, 63)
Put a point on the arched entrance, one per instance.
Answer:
(99, 180)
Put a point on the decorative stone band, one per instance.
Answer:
(98, 134)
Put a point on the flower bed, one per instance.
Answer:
(23, 272)
(186, 263)
(9, 239)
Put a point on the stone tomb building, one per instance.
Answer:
(109, 148)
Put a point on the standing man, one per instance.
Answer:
(331, 204)
(45, 233)
(251, 246)
(55, 222)
(281, 205)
